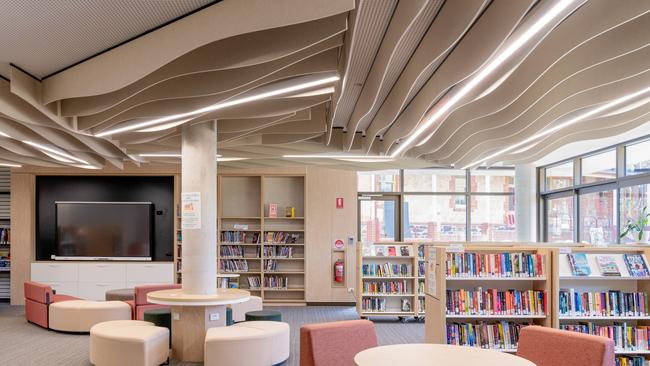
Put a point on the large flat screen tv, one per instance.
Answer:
(104, 230)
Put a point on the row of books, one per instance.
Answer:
(276, 282)
(503, 335)
(495, 265)
(386, 251)
(386, 270)
(421, 302)
(278, 251)
(5, 236)
(421, 269)
(240, 237)
(378, 305)
(496, 302)
(271, 265)
(630, 361)
(227, 283)
(233, 265)
(626, 337)
(610, 303)
(635, 263)
(254, 282)
(236, 251)
(280, 237)
(386, 287)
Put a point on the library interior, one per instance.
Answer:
(325, 182)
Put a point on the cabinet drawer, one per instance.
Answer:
(102, 272)
(150, 273)
(54, 272)
(64, 288)
(97, 290)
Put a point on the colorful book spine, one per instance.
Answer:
(501, 265)
(5, 236)
(502, 335)
(611, 303)
(386, 270)
(386, 287)
(279, 237)
(277, 282)
(626, 337)
(496, 302)
(240, 237)
(233, 265)
(373, 305)
(630, 361)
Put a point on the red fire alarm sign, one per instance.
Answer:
(339, 202)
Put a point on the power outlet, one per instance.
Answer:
(350, 289)
(176, 316)
(214, 317)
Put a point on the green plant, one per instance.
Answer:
(637, 226)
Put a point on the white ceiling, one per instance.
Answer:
(43, 37)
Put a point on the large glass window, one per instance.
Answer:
(493, 180)
(633, 200)
(559, 219)
(434, 180)
(434, 218)
(637, 159)
(598, 218)
(379, 181)
(559, 176)
(493, 218)
(377, 220)
(599, 167)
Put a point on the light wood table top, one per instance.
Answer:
(177, 297)
(435, 355)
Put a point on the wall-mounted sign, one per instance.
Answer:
(339, 202)
(190, 210)
(339, 244)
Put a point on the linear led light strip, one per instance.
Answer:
(56, 154)
(354, 158)
(222, 105)
(562, 125)
(164, 155)
(483, 74)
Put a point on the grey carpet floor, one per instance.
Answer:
(25, 344)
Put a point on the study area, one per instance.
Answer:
(325, 182)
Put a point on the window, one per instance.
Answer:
(377, 221)
(434, 218)
(633, 200)
(599, 167)
(434, 180)
(493, 180)
(559, 219)
(379, 181)
(598, 218)
(637, 160)
(559, 176)
(493, 218)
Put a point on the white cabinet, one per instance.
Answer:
(91, 280)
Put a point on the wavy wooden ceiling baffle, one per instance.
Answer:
(401, 66)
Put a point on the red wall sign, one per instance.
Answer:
(339, 202)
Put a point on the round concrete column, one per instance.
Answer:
(199, 175)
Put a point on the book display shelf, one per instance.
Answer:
(5, 235)
(387, 280)
(604, 291)
(482, 295)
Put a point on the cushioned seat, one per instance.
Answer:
(81, 315)
(128, 343)
(38, 298)
(261, 315)
(239, 310)
(335, 343)
(237, 346)
(279, 333)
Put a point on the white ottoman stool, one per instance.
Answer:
(237, 346)
(279, 334)
(81, 315)
(239, 310)
(128, 343)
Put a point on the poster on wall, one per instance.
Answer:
(191, 210)
(432, 262)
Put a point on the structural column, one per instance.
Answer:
(526, 203)
(199, 178)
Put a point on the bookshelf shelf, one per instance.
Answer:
(603, 278)
(284, 218)
(496, 278)
(504, 316)
(287, 244)
(387, 256)
(387, 278)
(617, 318)
(386, 295)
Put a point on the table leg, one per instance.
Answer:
(189, 325)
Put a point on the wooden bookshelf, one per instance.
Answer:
(366, 255)
(437, 316)
(595, 282)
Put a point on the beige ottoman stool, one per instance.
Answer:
(128, 343)
(239, 310)
(237, 346)
(279, 334)
(81, 315)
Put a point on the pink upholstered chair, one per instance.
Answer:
(140, 304)
(335, 343)
(552, 347)
(38, 298)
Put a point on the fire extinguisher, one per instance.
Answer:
(339, 270)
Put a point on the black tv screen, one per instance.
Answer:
(104, 229)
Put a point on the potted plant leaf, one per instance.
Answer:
(636, 228)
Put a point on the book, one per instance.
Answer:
(501, 265)
(626, 336)
(501, 335)
(636, 265)
(379, 251)
(391, 251)
(273, 210)
(579, 264)
(404, 251)
(612, 303)
(607, 264)
(406, 305)
(481, 301)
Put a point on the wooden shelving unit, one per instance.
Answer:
(5, 243)
(437, 315)
(392, 300)
(564, 279)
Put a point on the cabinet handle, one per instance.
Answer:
(54, 265)
(102, 265)
(102, 284)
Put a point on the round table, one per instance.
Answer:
(435, 355)
(120, 294)
(193, 315)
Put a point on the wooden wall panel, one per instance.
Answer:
(22, 232)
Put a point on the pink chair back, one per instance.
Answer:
(38, 292)
(335, 343)
(553, 347)
(141, 292)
